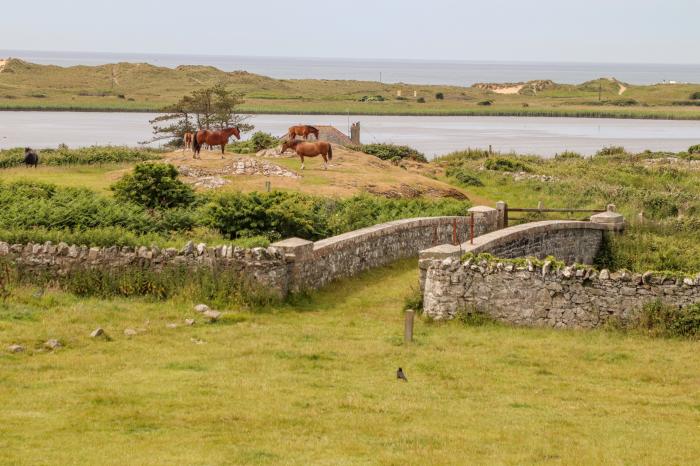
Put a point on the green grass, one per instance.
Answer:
(143, 87)
(313, 383)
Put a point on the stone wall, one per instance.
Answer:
(539, 295)
(265, 267)
(569, 241)
(312, 265)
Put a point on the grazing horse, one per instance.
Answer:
(310, 149)
(187, 139)
(30, 157)
(303, 131)
(213, 138)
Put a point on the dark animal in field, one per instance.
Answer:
(187, 139)
(30, 157)
(213, 138)
(400, 375)
(310, 149)
(303, 131)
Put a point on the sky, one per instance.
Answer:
(616, 31)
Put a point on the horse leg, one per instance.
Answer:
(223, 146)
(302, 161)
(325, 161)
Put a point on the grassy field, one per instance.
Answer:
(144, 87)
(313, 382)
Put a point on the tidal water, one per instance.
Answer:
(431, 135)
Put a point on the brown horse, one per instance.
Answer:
(310, 149)
(213, 138)
(303, 131)
(187, 140)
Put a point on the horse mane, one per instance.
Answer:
(312, 128)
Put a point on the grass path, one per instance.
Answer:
(313, 383)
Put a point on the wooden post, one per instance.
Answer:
(268, 185)
(408, 326)
(502, 209)
(454, 232)
(490, 150)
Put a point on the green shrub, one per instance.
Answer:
(694, 149)
(439, 96)
(568, 155)
(659, 319)
(83, 156)
(485, 103)
(611, 150)
(421, 100)
(257, 142)
(695, 95)
(505, 165)
(389, 151)
(372, 98)
(463, 176)
(154, 185)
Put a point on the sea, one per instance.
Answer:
(458, 73)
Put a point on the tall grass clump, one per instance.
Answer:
(506, 165)
(662, 320)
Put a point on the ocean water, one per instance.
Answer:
(461, 73)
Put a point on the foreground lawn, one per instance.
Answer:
(314, 383)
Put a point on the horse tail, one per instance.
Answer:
(330, 151)
(195, 144)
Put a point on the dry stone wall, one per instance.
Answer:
(312, 265)
(541, 295)
(265, 267)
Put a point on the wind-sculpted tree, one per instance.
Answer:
(211, 108)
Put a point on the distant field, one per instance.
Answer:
(144, 87)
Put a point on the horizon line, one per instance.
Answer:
(433, 60)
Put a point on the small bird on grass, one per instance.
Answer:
(400, 375)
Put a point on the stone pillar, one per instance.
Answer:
(611, 219)
(297, 252)
(485, 219)
(502, 209)
(428, 256)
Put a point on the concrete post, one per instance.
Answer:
(502, 209)
(611, 219)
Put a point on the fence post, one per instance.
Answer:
(454, 232)
(408, 326)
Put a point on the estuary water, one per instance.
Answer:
(431, 135)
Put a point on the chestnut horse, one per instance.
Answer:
(213, 138)
(303, 131)
(187, 139)
(310, 149)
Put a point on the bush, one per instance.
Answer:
(285, 214)
(421, 100)
(568, 155)
(83, 156)
(463, 176)
(658, 319)
(154, 185)
(257, 142)
(485, 102)
(439, 96)
(611, 150)
(694, 149)
(505, 165)
(372, 98)
(695, 96)
(389, 151)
